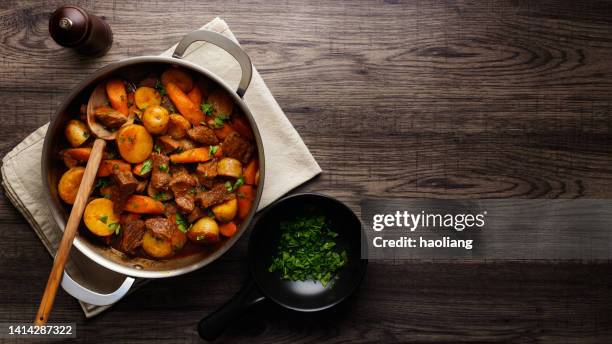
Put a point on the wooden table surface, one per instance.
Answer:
(394, 99)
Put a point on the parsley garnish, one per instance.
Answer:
(306, 251)
(233, 187)
(104, 219)
(146, 166)
(163, 167)
(115, 227)
(101, 182)
(157, 148)
(160, 87)
(199, 237)
(181, 223)
(207, 108)
(220, 120)
(212, 150)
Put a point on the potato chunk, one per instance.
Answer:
(155, 119)
(134, 142)
(156, 247)
(205, 231)
(100, 218)
(146, 96)
(225, 212)
(76, 132)
(178, 126)
(69, 184)
(229, 167)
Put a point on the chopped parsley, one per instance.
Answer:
(207, 108)
(115, 227)
(220, 120)
(199, 237)
(181, 223)
(163, 167)
(101, 182)
(104, 219)
(233, 187)
(146, 167)
(306, 251)
(160, 88)
(157, 148)
(213, 150)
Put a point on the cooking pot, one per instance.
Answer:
(52, 166)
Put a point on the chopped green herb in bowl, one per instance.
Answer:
(307, 251)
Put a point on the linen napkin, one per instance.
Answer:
(288, 164)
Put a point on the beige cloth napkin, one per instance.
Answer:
(288, 164)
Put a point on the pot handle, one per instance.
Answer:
(215, 323)
(81, 293)
(224, 43)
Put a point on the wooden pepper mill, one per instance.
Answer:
(72, 27)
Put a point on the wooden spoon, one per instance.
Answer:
(97, 98)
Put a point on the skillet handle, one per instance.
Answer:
(215, 323)
(224, 43)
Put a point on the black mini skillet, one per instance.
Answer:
(302, 296)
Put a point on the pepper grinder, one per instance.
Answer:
(72, 27)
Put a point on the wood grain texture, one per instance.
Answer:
(395, 99)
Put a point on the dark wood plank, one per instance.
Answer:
(460, 99)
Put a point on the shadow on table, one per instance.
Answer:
(268, 317)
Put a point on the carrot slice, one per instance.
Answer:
(108, 166)
(228, 229)
(185, 106)
(250, 172)
(195, 95)
(115, 90)
(191, 156)
(78, 154)
(242, 127)
(140, 204)
(246, 195)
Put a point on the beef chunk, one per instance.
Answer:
(170, 209)
(234, 146)
(183, 187)
(167, 144)
(132, 231)
(124, 186)
(125, 180)
(178, 169)
(109, 117)
(207, 169)
(203, 135)
(160, 227)
(196, 214)
(160, 176)
(218, 194)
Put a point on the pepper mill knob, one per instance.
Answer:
(72, 27)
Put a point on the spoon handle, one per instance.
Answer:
(63, 251)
